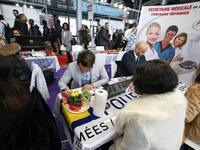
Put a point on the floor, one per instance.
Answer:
(54, 90)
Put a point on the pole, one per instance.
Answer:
(164, 2)
(79, 17)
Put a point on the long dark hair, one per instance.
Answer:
(13, 93)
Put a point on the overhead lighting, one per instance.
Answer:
(17, 4)
(120, 6)
(25, 6)
(31, 6)
(125, 9)
(115, 5)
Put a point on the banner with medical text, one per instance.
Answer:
(173, 31)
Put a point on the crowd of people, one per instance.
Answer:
(160, 119)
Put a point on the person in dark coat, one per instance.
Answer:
(34, 29)
(131, 59)
(58, 29)
(26, 121)
(21, 71)
(104, 36)
(45, 28)
(84, 36)
(21, 25)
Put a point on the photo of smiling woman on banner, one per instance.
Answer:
(152, 34)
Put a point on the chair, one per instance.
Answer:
(38, 81)
(111, 69)
(192, 144)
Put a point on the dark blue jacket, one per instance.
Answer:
(128, 64)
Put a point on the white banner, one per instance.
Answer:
(93, 134)
(172, 30)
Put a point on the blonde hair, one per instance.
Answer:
(153, 24)
(2, 42)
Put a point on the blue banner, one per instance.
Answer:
(100, 9)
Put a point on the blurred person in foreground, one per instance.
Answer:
(156, 119)
(21, 71)
(26, 120)
(192, 128)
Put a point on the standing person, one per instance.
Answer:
(66, 40)
(45, 28)
(16, 14)
(34, 29)
(58, 29)
(127, 34)
(152, 34)
(21, 25)
(164, 49)
(114, 38)
(3, 26)
(132, 59)
(179, 41)
(84, 36)
(130, 43)
(97, 34)
(26, 120)
(156, 120)
(104, 36)
(119, 39)
(192, 128)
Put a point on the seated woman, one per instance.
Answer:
(192, 126)
(85, 72)
(26, 122)
(156, 120)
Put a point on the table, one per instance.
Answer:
(44, 62)
(184, 75)
(89, 131)
(109, 58)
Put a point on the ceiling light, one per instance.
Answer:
(25, 6)
(115, 5)
(120, 6)
(17, 4)
(31, 6)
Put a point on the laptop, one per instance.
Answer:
(117, 88)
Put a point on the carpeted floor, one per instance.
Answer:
(54, 90)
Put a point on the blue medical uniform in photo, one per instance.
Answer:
(166, 54)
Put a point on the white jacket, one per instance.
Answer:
(38, 81)
(154, 122)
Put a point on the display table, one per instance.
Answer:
(44, 62)
(89, 132)
(108, 58)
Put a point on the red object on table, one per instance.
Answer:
(75, 107)
(62, 59)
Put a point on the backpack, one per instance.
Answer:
(7, 31)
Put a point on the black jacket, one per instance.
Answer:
(21, 71)
(128, 64)
(31, 127)
(34, 31)
(22, 26)
(103, 38)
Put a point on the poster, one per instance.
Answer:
(49, 20)
(177, 26)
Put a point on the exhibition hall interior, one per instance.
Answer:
(99, 75)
